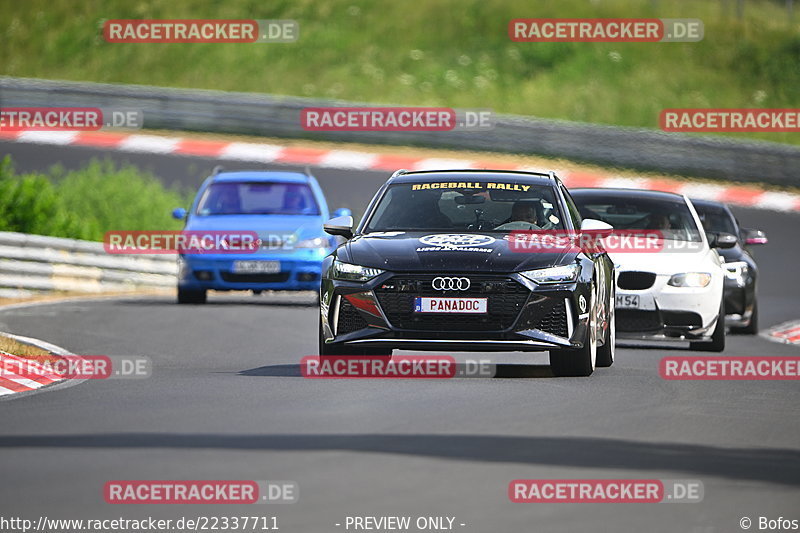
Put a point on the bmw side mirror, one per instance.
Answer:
(179, 213)
(754, 236)
(342, 226)
(342, 212)
(723, 241)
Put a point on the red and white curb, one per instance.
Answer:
(36, 375)
(786, 333)
(736, 194)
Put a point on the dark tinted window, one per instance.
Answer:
(574, 212)
(715, 219)
(625, 212)
(258, 198)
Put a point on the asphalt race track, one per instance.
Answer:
(226, 401)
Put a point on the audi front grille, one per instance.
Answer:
(505, 297)
(349, 320)
(546, 314)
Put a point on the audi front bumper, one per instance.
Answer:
(521, 315)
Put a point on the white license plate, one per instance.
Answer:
(256, 267)
(629, 301)
(450, 305)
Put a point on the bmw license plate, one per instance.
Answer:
(627, 301)
(450, 305)
(256, 267)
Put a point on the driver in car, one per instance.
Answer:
(524, 216)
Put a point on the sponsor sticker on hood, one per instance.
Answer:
(456, 242)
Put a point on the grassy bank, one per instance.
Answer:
(86, 203)
(440, 52)
(27, 351)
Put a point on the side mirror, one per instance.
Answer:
(342, 212)
(342, 226)
(590, 224)
(754, 236)
(722, 240)
(179, 213)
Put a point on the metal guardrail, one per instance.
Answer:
(36, 263)
(259, 114)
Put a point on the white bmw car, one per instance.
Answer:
(669, 276)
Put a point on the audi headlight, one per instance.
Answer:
(348, 272)
(316, 242)
(690, 279)
(736, 270)
(559, 274)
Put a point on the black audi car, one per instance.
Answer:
(432, 266)
(741, 302)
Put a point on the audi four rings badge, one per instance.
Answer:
(450, 284)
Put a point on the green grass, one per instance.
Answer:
(435, 52)
(86, 203)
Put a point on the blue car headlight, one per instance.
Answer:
(316, 242)
(559, 274)
(350, 272)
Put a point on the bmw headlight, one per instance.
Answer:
(349, 272)
(690, 279)
(559, 274)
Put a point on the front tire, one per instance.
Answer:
(717, 343)
(752, 327)
(187, 296)
(606, 352)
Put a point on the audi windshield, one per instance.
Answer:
(482, 206)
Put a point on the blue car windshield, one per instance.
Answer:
(258, 198)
